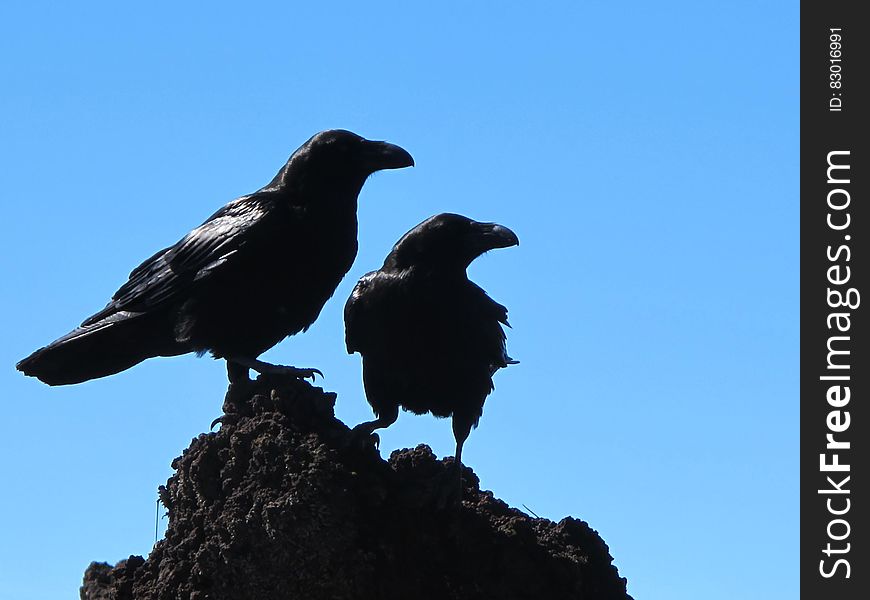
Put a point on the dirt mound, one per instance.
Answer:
(283, 502)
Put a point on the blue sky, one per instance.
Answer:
(646, 154)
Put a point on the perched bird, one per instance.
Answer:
(430, 339)
(258, 270)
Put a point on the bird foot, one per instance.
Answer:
(236, 365)
(363, 437)
(288, 371)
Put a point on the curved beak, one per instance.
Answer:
(493, 235)
(384, 155)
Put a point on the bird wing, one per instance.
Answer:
(486, 306)
(380, 297)
(490, 316)
(355, 320)
(199, 254)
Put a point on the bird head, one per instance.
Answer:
(448, 241)
(341, 157)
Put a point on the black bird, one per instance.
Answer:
(258, 270)
(430, 339)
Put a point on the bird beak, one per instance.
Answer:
(383, 155)
(493, 235)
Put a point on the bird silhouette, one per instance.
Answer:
(258, 270)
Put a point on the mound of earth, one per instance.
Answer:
(284, 502)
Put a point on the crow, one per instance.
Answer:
(430, 339)
(258, 270)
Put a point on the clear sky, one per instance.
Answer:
(645, 153)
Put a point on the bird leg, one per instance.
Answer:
(237, 373)
(461, 429)
(449, 487)
(366, 431)
(459, 467)
(240, 382)
(237, 369)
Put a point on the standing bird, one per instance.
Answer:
(258, 270)
(430, 339)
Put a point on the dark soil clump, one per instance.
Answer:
(284, 502)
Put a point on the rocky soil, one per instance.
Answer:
(283, 502)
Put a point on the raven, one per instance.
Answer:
(258, 270)
(430, 339)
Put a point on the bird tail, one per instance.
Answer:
(107, 347)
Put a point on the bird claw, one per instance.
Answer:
(363, 436)
(287, 371)
(303, 373)
(224, 420)
(265, 368)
